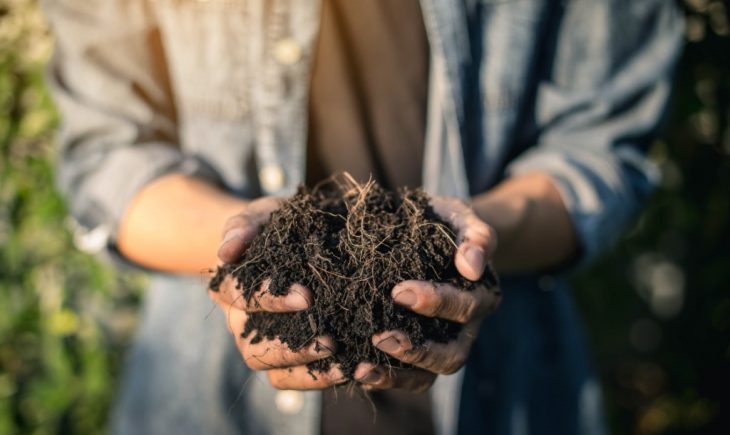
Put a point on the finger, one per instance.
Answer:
(375, 377)
(298, 298)
(478, 241)
(240, 230)
(302, 378)
(229, 294)
(256, 213)
(235, 317)
(270, 354)
(477, 246)
(237, 239)
(445, 301)
(443, 358)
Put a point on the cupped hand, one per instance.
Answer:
(286, 368)
(477, 243)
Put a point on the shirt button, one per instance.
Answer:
(90, 241)
(289, 401)
(272, 178)
(287, 51)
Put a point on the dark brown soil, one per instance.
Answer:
(349, 244)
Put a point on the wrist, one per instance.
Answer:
(175, 224)
(506, 214)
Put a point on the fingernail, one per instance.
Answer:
(389, 344)
(372, 377)
(296, 301)
(406, 297)
(319, 349)
(232, 234)
(475, 257)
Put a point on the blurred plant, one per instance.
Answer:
(64, 317)
(658, 307)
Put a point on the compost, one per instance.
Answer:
(349, 244)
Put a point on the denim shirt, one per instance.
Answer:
(218, 89)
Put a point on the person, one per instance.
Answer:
(527, 120)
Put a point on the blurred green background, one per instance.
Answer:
(657, 308)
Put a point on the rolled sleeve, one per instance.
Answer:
(99, 198)
(598, 108)
(119, 129)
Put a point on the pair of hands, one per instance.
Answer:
(287, 369)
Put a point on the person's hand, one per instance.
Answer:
(477, 243)
(285, 368)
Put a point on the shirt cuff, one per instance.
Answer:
(602, 191)
(99, 201)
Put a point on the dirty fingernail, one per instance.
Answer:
(319, 349)
(389, 344)
(372, 377)
(406, 297)
(296, 301)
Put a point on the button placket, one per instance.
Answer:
(282, 51)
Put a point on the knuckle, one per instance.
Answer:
(286, 358)
(233, 297)
(433, 303)
(479, 231)
(456, 361)
(242, 220)
(450, 363)
(417, 356)
(275, 380)
(261, 300)
(423, 383)
(470, 307)
(386, 381)
(275, 304)
(250, 360)
(454, 305)
(450, 368)
(482, 227)
(230, 223)
(253, 303)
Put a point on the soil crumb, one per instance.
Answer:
(350, 244)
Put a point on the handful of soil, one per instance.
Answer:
(349, 244)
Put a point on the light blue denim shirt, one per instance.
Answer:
(219, 88)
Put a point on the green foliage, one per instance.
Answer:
(64, 317)
(657, 308)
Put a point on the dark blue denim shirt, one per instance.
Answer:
(218, 89)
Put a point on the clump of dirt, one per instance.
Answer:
(350, 244)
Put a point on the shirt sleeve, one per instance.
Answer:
(597, 108)
(118, 131)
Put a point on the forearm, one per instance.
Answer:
(175, 224)
(534, 229)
